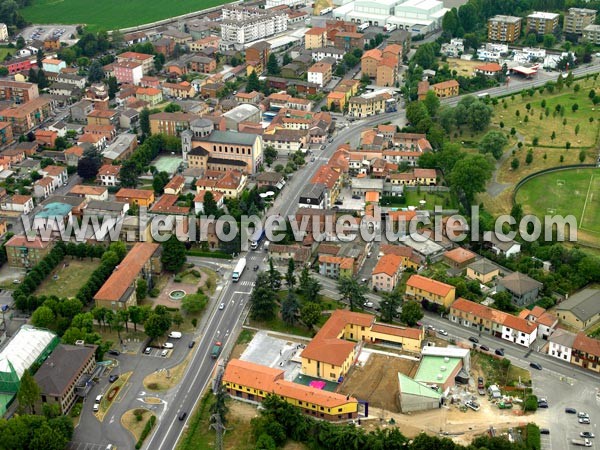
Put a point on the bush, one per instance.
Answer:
(533, 438)
(146, 431)
(200, 253)
(177, 279)
(154, 292)
(530, 403)
(76, 410)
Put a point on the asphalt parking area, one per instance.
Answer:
(546, 442)
(86, 446)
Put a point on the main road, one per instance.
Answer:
(222, 324)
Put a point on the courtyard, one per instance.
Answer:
(68, 277)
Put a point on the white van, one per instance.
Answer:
(98, 398)
(96, 407)
(175, 335)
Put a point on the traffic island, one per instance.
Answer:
(135, 421)
(111, 395)
(165, 379)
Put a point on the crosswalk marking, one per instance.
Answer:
(247, 283)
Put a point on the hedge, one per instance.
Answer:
(219, 255)
(145, 432)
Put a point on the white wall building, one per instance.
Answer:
(242, 25)
(561, 344)
(3, 32)
(290, 3)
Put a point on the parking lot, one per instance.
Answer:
(42, 32)
(86, 446)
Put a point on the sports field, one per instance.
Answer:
(575, 192)
(110, 14)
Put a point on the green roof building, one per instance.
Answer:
(415, 396)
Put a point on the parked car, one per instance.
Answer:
(168, 345)
(583, 415)
(485, 348)
(114, 352)
(96, 407)
(544, 431)
(191, 344)
(570, 410)
(584, 420)
(474, 339)
(175, 334)
(113, 378)
(499, 351)
(147, 351)
(443, 332)
(542, 404)
(472, 404)
(535, 365)
(164, 353)
(587, 434)
(368, 304)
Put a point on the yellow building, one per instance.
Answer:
(151, 95)
(423, 288)
(368, 105)
(446, 89)
(348, 87)
(315, 38)
(483, 271)
(139, 197)
(249, 381)
(332, 351)
(338, 99)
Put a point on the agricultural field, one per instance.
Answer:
(463, 67)
(113, 14)
(575, 192)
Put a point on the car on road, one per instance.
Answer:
(474, 339)
(339, 202)
(570, 410)
(114, 352)
(431, 327)
(113, 378)
(96, 407)
(183, 415)
(191, 344)
(499, 351)
(222, 306)
(147, 351)
(587, 434)
(535, 365)
(368, 304)
(485, 348)
(168, 345)
(542, 404)
(544, 431)
(443, 332)
(98, 398)
(584, 420)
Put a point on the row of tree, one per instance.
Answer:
(279, 422)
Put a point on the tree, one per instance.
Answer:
(416, 112)
(351, 291)
(274, 276)
(29, 392)
(432, 103)
(289, 308)
(136, 315)
(172, 107)
(312, 291)
(145, 121)
(273, 65)
(479, 116)
(424, 57)
(286, 58)
(193, 303)
(89, 164)
(503, 301)
(159, 182)
(269, 154)
(529, 157)
(157, 324)
(43, 317)
(514, 164)
(263, 298)
(517, 212)
(21, 42)
(467, 15)
(470, 175)
(177, 319)
(310, 314)
(141, 290)
(389, 305)
(411, 313)
(253, 83)
(450, 22)
(493, 142)
(95, 72)
(290, 278)
(549, 40)
(530, 403)
(173, 255)
(582, 156)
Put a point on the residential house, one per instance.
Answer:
(504, 28)
(119, 291)
(25, 252)
(204, 43)
(581, 310)
(64, 374)
(18, 92)
(175, 185)
(11, 156)
(139, 197)
(146, 60)
(348, 41)
(152, 96)
(128, 72)
(577, 19)
(202, 64)
(313, 196)
(320, 73)
(387, 272)
(80, 110)
(446, 89)
(120, 148)
(483, 270)
(586, 352)
(459, 258)
(108, 175)
(167, 204)
(492, 321)
(23, 118)
(542, 22)
(315, 37)
(421, 288)
(524, 290)
(489, 70)
(591, 34)
(57, 173)
(283, 253)
(230, 183)
(321, 53)
(53, 65)
(181, 90)
(17, 203)
(46, 138)
(545, 321)
(199, 200)
(368, 104)
(258, 55)
(408, 259)
(269, 179)
(89, 192)
(332, 181)
(560, 344)
(103, 117)
(501, 244)
(115, 210)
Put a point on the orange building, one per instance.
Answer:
(446, 89)
(140, 197)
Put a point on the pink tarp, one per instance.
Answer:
(317, 384)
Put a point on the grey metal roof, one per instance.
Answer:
(62, 367)
(584, 304)
(231, 137)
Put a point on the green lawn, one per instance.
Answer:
(574, 192)
(110, 14)
(443, 199)
(69, 279)
(6, 51)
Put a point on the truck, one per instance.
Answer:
(325, 11)
(257, 238)
(505, 405)
(390, 27)
(363, 26)
(581, 442)
(238, 270)
(216, 350)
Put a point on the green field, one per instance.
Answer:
(575, 192)
(110, 14)
(69, 279)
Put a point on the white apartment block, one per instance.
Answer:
(243, 25)
(3, 32)
(591, 33)
(290, 3)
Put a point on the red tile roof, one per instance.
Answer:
(460, 255)
(429, 285)
(587, 344)
(20, 240)
(388, 264)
